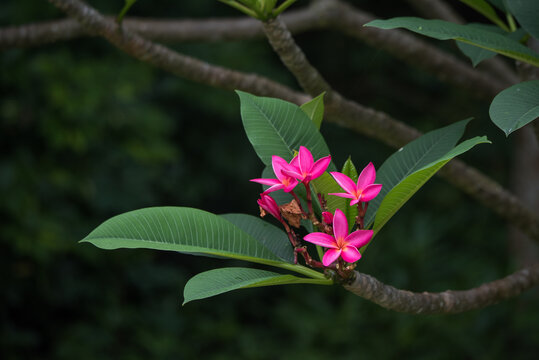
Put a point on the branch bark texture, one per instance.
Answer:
(394, 133)
(447, 302)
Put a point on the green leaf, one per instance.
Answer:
(477, 54)
(443, 30)
(277, 127)
(527, 14)
(500, 4)
(349, 170)
(402, 192)
(414, 156)
(515, 106)
(273, 238)
(484, 8)
(315, 109)
(219, 281)
(180, 229)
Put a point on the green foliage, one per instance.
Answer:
(486, 10)
(315, 109)
(219, 281)
(516, 106)
(273, 238)
(277, 127)
(404, 190)
(180, 229)
(443, 30)
(415, 156)
(527, 13)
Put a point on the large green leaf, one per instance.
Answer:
(315, 109)
(477, 54)
(484, 8)
(277, 127)
(443, 30)
(414, 156)
(527, 14)
(269, 235)
(218, 281)
(402, 192)
(515, 106)
(180, 229)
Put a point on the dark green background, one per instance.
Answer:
(88, 132)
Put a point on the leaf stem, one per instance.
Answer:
(244, 9)
(511, 22)
(125, 9)
(283, 7)
(300, 269)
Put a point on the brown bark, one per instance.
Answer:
(447, 302)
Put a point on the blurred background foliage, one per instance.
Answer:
(87, 133)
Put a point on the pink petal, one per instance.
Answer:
(273, 188)
(344, 181)
(321, 239)
(266, 181)
(330, 256)
(267, 203)
(350, 254)
(340, 226)
(291, 185)
(320, 166)
(305, 159)
(278, 164)
(327, 217)
(367, 176)
(370, 192)
(348, 196)
(295, 162)
(294, 173)
(353, 202)
(359, 238)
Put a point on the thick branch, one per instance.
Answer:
(413, 50)
(344, 112)
(447, 302)
(322, 14)
(394, 133)
(164, 58)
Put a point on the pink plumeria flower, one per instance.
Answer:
(304, 168)
(365, 190)
(283, 181)
(342, 244)
(327, 217)
(268, 204)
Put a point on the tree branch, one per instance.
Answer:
(439, 9)
(340, 111)
(164, 58)
(322, 14)
(392, 132)
(447, 302)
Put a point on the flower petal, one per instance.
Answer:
(278, 164)
(305, 159)
(267, 203)
(330, 256)
(327, 217)
(370, 192)
(266, 181)
(350, 254)
(321, 239)
(291, 185)
(320, 166)
(344, 181)
(343, 195)
(340, 226)
(367, 177)
(359, 238)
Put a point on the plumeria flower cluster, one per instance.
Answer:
(342, 247)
